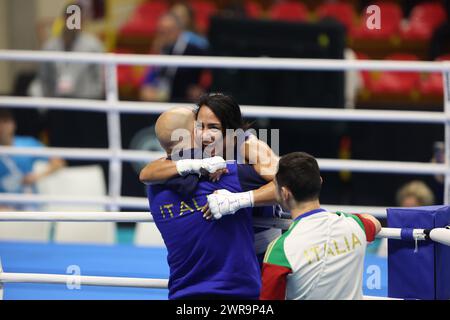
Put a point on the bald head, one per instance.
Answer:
(174, 128)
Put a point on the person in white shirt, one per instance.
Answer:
(321, 256)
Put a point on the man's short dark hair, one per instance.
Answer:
(299, 172)
(5, 114)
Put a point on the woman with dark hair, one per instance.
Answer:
(221, 131)
(220, 128)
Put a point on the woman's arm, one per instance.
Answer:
(265, 163)
(261, 156)
(265, 195)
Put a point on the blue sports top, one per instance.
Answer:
(207, 257)
(14, 168)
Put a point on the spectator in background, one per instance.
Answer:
(172, 83)
(16, 172)
(415, 194)
(74, 80)
(186, 16)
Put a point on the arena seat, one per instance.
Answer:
(203, 10)
(391, 16)
(144, 19)
(124, 75)
(423, 21)
(206, 79)
(341, 11)
(431, 83)
(78, 182)
(129, 76)
(253, 9)
(148, 235)
(395, 81)
(289, 11)
(365, 74)
(25, 231)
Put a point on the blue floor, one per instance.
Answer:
(123, 260)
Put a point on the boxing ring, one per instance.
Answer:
(115, 155)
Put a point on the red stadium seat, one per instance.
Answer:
(127, 75)
(424, 19)
(289, 11)
(395, 81)
(149, 8)
(253, 9)
(445, 57)
(341, 11)
(130, 76)
(390, 17)
(431, 83)
(123, 71)
(203, 10)
(206, 79)
(124, 75)
(145, 18)
(365, 74)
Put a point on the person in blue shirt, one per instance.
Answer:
(207, 259)
(186, 16)
(172, 83)
(16, 172)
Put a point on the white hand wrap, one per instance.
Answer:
(225, 203)
(211, 165)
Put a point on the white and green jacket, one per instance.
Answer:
(321, 256)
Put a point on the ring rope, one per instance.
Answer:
(142, 203)
(396, 167)
(224, 62)
(440, 235)
(97, 281)
(294, 113)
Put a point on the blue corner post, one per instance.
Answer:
(418, 270)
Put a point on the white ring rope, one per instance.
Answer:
(142, 203)
(83, 280)
(223, 62)
(6, 277)
(292, 113)
(441, 235)
(396, 167)
(128, 202)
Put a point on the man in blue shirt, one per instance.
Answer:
(16, 174)
(207, 259)
(172, 83)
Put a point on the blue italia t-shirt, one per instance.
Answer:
(207, 257)
(14, 168)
